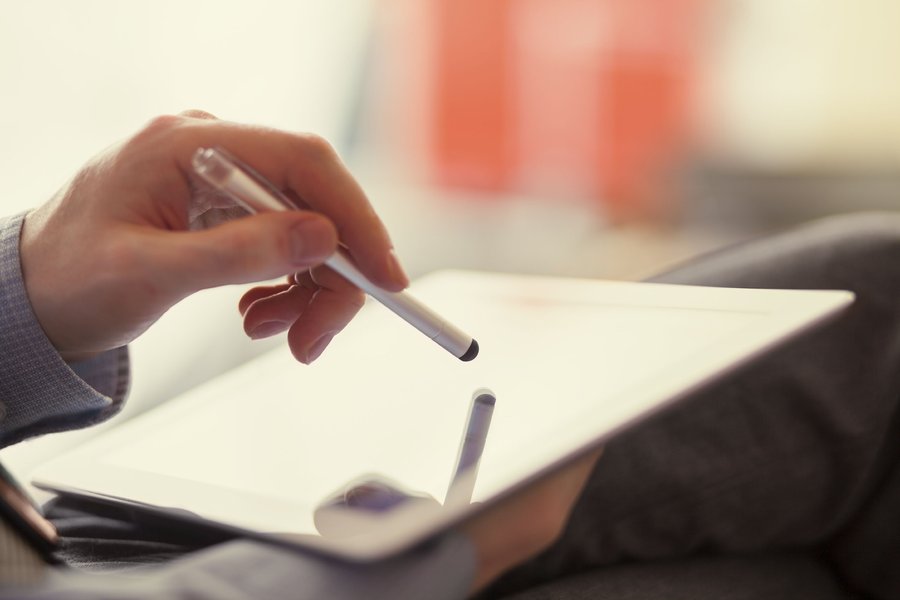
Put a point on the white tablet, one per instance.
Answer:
(354, 455)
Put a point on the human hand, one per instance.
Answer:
(528, 522)
(114, 248)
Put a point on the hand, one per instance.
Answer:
(114, 249)
(528, 522)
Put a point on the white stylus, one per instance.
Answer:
(471, 447)
(246, 187)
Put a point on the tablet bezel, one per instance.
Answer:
(787, 314)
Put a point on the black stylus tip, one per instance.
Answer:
(471, 353)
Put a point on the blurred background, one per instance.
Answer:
(590, 138)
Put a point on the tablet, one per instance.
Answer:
(354, 455)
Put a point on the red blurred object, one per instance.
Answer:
(472, 137)
(575, 97)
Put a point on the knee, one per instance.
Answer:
(846, 251)
(866, 233)
(859, 251)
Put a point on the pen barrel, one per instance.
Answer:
(254, 193)
(407, 307)
(472, 446)
(462, 483)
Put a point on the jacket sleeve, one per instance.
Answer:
(249, 570)
(39, 392)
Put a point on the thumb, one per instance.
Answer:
(244, 250)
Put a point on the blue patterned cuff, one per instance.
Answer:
(39, 392)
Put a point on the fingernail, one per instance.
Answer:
(318, 347)
(397, 272)
(312, 241)
(267, 329)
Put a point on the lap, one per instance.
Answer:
(791, 452)
(782, 576)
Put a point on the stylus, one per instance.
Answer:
(246, 187)
(471, 447)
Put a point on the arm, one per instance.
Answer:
(116, 247)
(39, 391)
(119, 244)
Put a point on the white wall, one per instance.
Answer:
(77, 76)
(805, 83)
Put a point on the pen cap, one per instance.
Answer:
(477, 427)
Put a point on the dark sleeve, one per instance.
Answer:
(250, 570)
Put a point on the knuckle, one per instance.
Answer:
(197, 113)
(316, 147)
(161, 123)
(169, 124)
(157, 131)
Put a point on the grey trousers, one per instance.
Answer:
(782, 481)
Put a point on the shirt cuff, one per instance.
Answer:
(39, 392)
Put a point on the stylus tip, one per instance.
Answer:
(471, 353)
